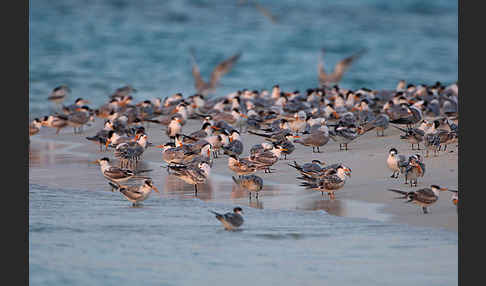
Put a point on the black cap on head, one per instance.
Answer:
(393, 149)
(105, 159)
(237, 209)
(435, 186)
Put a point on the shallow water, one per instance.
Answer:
(98, 46)
(95, 237)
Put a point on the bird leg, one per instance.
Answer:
(425, 210)
(318, 151)
(313, 149)
(195, 189)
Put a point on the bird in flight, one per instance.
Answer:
(326, 79)
(221, 69)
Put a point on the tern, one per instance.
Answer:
(59, 93)
(251, 183)
(116, 174)
(331, 182)
(396, 162)
(192, 174)
(230, 221)
(327, 79)
(424, 197)
(135, 194)
(221, 69)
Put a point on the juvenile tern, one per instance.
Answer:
(251, 183)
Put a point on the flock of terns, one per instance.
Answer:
(427, 116)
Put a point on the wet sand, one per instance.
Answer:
(62, 161)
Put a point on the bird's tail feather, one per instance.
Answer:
(218, 215)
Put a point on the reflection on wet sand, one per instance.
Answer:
(333, 207)
(39, 155)
(54, 164)
(257, 204)
(174, 186)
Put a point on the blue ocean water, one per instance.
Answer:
(98, 46)
(95, 238)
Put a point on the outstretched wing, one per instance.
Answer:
(320, 68)
(200, 84)
(344, 64)
(266, 13)
(223, 68)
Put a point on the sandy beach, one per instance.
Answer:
(63, 161)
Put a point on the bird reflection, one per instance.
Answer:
(333, 207)
(256, 203)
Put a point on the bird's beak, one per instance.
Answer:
(348, 172)
(215, 128)
(444, 189)
(159, 146)
(230, 139)
(296, 136)
(94, 162)
(193, 105)
(244, 115)
(175, 110)
(283, 149)
(335, 114)
(108, 141)
(155, 189)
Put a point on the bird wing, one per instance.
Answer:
(223, 68)
(131, 194)
(344, 64)
(266, 13)
(330, 182)
(425, 195)
(398, 191)
(200, 84)
(234, 219)
(320, 68)
(118, 173)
